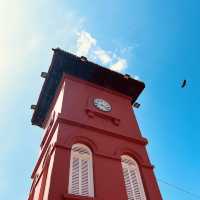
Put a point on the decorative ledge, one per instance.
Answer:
(92, 113)
(63, 119)
(77, 197)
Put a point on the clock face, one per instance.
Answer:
(102, 105)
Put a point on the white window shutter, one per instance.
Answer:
(84, 177)
(75, 176)
(132, 179)
(81, 171)
(128, 184)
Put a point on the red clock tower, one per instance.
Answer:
(92, 148)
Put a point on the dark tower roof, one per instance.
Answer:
(67, 63)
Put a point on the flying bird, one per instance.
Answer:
(183, 84)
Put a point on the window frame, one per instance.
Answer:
(131, 165)
(85, 157)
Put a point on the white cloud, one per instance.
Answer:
(84, 43)
(136, 77)
(103, 56)
(120, 65)
(87, 45)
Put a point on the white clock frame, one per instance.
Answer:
(102, 105)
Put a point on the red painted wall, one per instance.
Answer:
(73, 119)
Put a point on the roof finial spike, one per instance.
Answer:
(83, 58)
(136, 105)
(33, 107)
(127, 76)
(44, 74)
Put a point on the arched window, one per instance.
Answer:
(132, 178)
(81, 171)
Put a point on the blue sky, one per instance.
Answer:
(154, 41)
